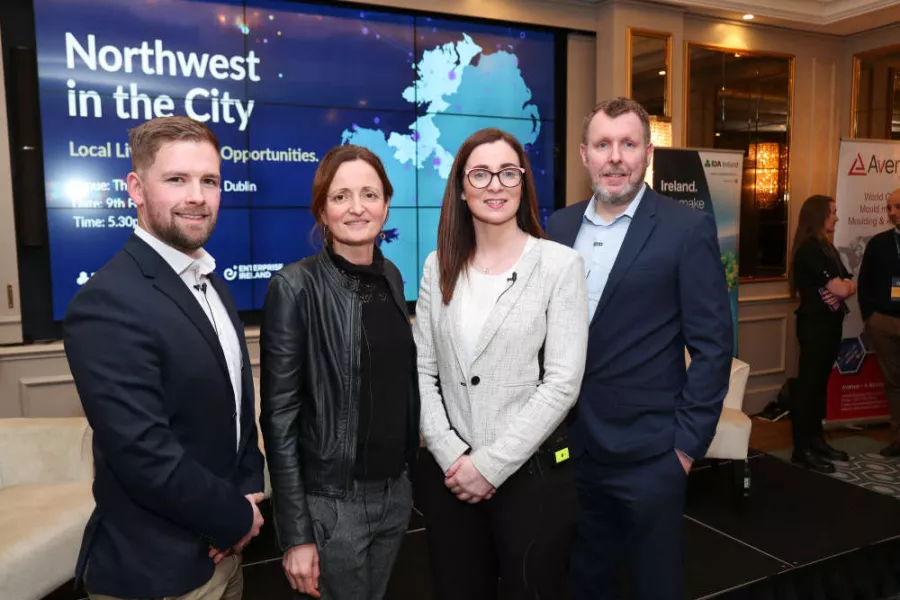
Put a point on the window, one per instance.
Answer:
(648, 70)
(876, 94)
(740, 100)
(649, 82)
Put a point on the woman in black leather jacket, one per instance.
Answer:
(340, 406)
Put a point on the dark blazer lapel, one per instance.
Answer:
(169, 283)
(228, 301)
(571, 223)
(507, 299)
(641, 226)
(248, 398)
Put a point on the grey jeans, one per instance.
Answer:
(358, 537)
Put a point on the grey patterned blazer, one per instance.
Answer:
(501, 410)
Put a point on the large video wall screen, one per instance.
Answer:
(280, 83)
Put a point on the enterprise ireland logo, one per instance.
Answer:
(254, 271)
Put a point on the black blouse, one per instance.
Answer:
(816, 263)
(385, 369)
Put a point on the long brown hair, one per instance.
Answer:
(456, 230)
(325, 175)
(810, 224)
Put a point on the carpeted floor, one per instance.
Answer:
(866, 468)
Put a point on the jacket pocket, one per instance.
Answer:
(323, 512)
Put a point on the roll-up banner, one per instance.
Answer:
(868, 171)
(707, 180)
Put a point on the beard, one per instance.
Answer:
(624, 196)
(167, 229)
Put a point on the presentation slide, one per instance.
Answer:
(280, 83)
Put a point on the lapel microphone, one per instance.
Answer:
(201, 287)
(511, 280)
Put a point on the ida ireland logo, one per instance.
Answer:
(857, 168)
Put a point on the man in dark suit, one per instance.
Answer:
(160, 361)
(879, 304)
(656, 287)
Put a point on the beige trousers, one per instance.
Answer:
(227, 583)
(884, 335)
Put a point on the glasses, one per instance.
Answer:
(481, 178)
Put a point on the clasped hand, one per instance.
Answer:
(831, 300)
(466, 483)
(218, 555)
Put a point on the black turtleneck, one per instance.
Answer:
(385, 369)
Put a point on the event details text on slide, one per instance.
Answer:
(228, 153)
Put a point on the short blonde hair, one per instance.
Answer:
(145, 139)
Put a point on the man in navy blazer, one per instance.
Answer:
(160, 361)
(656, 287)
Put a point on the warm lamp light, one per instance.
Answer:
(660, 137)
(766, 158)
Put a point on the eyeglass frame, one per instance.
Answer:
(496, 174)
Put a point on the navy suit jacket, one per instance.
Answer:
(666, 291)
(169, 478)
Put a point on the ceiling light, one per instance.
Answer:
(748, 17)
(662, 72)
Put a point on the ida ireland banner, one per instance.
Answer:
(707, 180)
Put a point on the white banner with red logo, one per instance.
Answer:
(868, 171)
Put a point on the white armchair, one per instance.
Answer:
(732, 439)
(46, 473)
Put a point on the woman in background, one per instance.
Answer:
(339, 395)
(501, 342)
(823, 283)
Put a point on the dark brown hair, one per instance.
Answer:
(614, 107)
(145, 139)
(331, 162)
(456, 230)
(810, 224)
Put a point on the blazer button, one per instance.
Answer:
(476, 380)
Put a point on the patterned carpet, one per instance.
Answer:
(866, 468)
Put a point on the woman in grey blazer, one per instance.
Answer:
(501, 335)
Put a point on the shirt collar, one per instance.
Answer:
(180, 262)
(591, 216)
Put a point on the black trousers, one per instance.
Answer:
(630, 519)
(820, 339)
(523, 535)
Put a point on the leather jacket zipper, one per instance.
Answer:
(352, 432)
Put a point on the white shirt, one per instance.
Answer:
(479, 293)
(195, 272)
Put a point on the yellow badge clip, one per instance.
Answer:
(562, 455)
